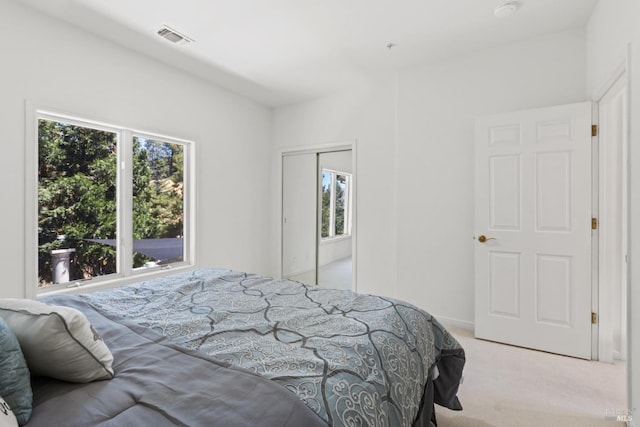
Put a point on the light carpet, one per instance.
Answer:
(515, 387)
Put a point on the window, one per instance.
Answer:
(111, 202)
(336, 204)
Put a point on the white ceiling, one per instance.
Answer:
(285, 51)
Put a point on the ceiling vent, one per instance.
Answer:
(173, 36)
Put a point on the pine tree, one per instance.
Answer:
(77, 173)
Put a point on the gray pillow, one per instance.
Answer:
(57, 342)
(15, 380)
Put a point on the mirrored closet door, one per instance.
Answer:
(317, 218)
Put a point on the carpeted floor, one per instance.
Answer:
(335, 275)
(515, 387)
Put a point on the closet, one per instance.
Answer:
(317, 217)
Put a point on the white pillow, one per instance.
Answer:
(57, 342)
(7, 419)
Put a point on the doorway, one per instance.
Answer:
(512, 306)
(317, 217)
(612, 174)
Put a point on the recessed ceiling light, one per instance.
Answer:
(506, 9)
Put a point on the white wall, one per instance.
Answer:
(367, 116)
(613, 29)
(437, 107)
(415, 158)
(340, 161)
(51, 64)
(333, 250)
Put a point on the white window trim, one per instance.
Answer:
(126, 273)
(332, 206)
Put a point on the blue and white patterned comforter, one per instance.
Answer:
(353, 359)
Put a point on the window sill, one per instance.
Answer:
(98, 285)
(336, 239)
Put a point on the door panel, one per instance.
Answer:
(504, 284)
(553, 192)
(299, 217)
(553, 290)
(533, 203)
(505, 192)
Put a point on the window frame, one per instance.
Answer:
(332, 205)
(125, 273)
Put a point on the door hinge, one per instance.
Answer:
(594, 130)
(594, 223)
(594, 318)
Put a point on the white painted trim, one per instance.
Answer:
(625, 66)
(334, 239)
(126, 273)
(332, 218)
(124, 193)
(604, 304)
(316, 148)
(462, 324)
(319, 148)
(631, 365)
(319, 216)
(354, 221)
(120, 281)
(279, 200)
(618, 71)
(31, 202)
(595, 236)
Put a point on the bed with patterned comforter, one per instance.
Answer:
(352, 359)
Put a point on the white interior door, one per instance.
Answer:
(533, 206)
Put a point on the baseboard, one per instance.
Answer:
(462, 324)
(298, 273)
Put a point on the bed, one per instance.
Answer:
(215, 347)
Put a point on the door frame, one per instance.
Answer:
(603, 303)
(317, 149)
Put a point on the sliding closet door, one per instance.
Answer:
(299, 181)
(335, 266)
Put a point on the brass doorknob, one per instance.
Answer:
(482, 238)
